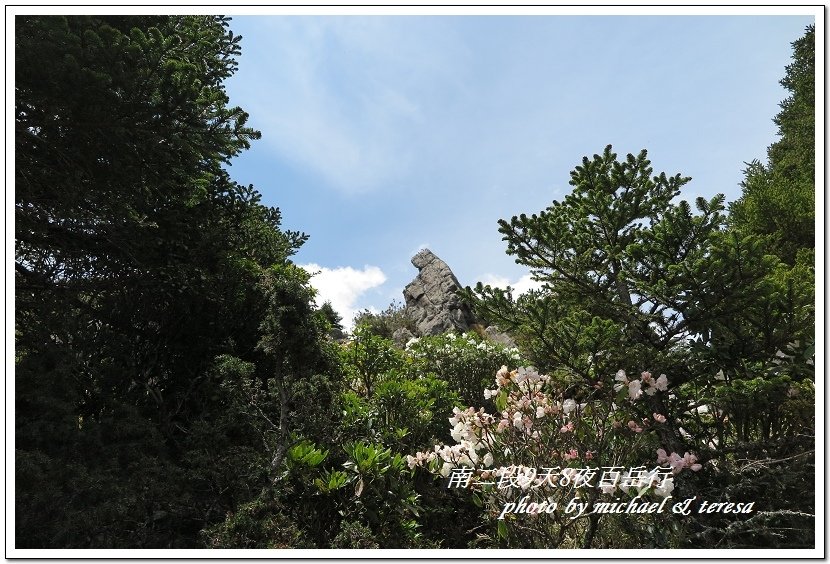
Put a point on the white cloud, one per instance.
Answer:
(520, 286)
(347, 98)
(343, 286)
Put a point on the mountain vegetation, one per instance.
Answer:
(175, 385)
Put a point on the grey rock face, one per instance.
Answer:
(432, 301)
(494, 334)
(401, 336)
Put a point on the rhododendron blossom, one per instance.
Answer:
(665, 487)
(568, 406)
(538, 427)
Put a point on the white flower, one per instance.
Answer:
(524, 481)
(458, 432)
(662, 383)
(634, 390)
(445, 469)
(540, 412)
(517, 420)
(488, 459)
(665, 488)
(568, 406)
(621, 380)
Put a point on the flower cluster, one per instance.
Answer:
(535, 424)
(635, 387)
(451, 342)
(678, 462)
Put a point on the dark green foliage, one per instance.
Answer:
(618, 259)
(384, 497)
(385, 323)
(138, 262)
(635, 281)
(778, 199)
(467, 363)
(334, 320)
(258, 524)
(405, 413)
(354, 535)
(369, 359)
(175, 385)
(621, 263)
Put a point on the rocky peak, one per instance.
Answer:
(432, 300)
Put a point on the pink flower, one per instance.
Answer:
(659, 418)
(676, 462)
(634, 427)
(571, 455)
(503, 377)
(690, 461)
(662, 456)
(589, 455)
(646, 377)
(567, 428)
(662, 383)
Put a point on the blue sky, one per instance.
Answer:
(384, 134)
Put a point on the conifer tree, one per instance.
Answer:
(778, 199)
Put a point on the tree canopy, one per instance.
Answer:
(138, 261)
(176, 385)
(778, 199)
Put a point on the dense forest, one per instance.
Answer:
(177, 387)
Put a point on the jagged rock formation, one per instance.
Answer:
(432, 300)
(494, 334)
(402, 336)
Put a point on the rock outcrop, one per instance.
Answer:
(432, 300)
(494, 334)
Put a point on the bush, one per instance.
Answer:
(466, 362)
(385, 323)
